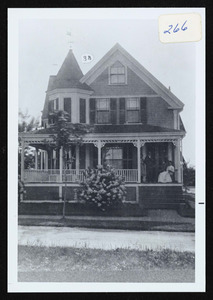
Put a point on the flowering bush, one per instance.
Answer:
(102, 188)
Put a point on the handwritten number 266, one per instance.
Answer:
(176, 29)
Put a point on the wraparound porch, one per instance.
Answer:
(126, 156)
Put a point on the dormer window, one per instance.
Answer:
(117, 74)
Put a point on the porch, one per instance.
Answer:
(126, 156)
(72, 176)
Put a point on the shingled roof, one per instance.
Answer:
(69, 75)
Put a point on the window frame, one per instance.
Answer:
(110, 74)
(115, 159)
(102, 110)
(132, 109)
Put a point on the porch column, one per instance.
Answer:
(87, 161)
(138, 145)
(46, 160)
(42, 156)
(61, 164)
(100, 145)
(144, 151)
(177, 161)
(170, 151)
(77, 159)
(22, 159)
(36, 159)
(54, 159)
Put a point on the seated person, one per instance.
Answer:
(164, 177)
(170, 167)
(167, 176)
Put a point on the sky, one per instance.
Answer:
(44, 44)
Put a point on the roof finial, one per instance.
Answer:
(70, 42)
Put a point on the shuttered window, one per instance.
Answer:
(118, 110)
(132, 110)
(67, 107)
(82, 110)
(102, 111)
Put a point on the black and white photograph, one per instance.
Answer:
(106, 150)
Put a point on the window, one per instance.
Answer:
(114, 157)
(67, 107)
(132, 110)
(117, 74)
(102, 111)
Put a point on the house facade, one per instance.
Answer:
(137, 130)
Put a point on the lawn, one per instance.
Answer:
(47, 264)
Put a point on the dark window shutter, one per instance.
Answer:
(67, 107)
(82, 110)
(56, 106)
(51, 109)
(92, 110)
(113, 110)
(143, 110)
(51, 106)
(122, 107)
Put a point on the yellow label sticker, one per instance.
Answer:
(178, 28)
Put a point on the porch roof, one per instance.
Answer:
(125, 128)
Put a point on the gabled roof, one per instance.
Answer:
(117, 52)
(69, 75)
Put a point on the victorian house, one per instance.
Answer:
(133, 115)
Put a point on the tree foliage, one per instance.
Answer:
(102, 188)
(26, 124)
(188, 175)
(64, 134)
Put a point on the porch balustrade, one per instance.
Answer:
(72, 175)
(129, 175)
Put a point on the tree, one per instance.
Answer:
(26, 124)
(64, 134)
(188, 175)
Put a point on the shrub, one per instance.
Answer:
(102, 188)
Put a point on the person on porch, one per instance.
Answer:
(149, 168)
(170, 168)
(166, 176)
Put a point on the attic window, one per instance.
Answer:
(117, 74)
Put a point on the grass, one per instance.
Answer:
(57, 259)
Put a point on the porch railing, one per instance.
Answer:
(72, 175)
(129, 175)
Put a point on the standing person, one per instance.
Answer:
(149, 168)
